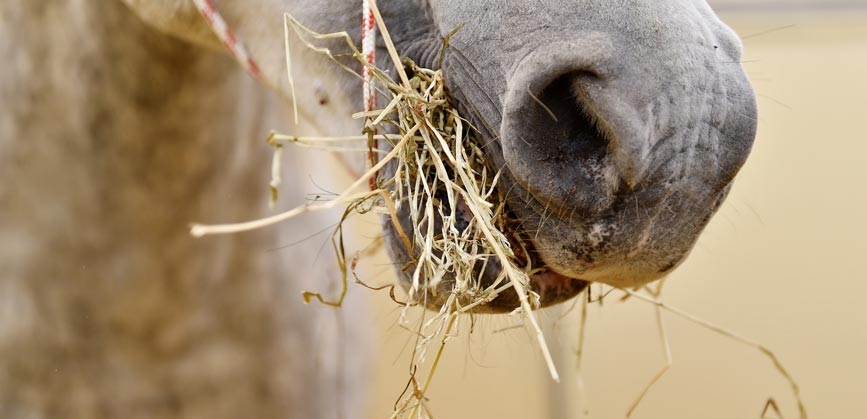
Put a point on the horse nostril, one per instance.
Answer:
(568, 127)
(555, 149)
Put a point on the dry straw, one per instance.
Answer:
(439, 177)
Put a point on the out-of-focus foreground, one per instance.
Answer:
(782, 263)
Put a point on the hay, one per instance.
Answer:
(778, 365)
(438, 166)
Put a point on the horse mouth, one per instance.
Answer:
(480, 285)
(550, 286)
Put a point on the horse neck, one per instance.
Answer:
(123, 134)
(113, 138)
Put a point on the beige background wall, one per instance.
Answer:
(783, 262)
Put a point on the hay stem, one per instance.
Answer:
(666, 350)
(579, 354)
(796, 391)
(201, 230)
(434, 364)
(289, 77)
(276, 139)
(389, 44)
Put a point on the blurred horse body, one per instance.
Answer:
(113, 138)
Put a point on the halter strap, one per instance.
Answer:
(368, 50)
(227, 37)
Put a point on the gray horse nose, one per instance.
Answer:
(566, 136)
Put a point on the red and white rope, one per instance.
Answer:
(368, 49)
(227, 37)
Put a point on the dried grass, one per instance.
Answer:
(436, 165)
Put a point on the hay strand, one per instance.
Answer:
(796, 391)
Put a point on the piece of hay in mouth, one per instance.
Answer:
(440, 174)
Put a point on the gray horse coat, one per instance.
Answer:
(122, 123)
